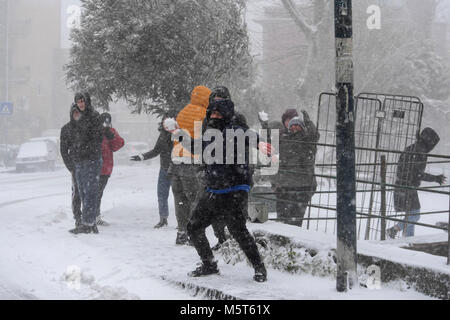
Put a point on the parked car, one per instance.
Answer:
(37, 155)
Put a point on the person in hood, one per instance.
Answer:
(66, 150)
(111, 143)
(163, 149)
(86, 152)
(217, 94)
(296, 181)
(226, 198)
(410, 173)
(184, 179)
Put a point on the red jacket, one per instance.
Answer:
(108, 147)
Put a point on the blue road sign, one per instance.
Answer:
(6, 108)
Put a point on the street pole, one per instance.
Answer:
(6, 72)
(345, 149)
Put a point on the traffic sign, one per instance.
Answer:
(6, 108)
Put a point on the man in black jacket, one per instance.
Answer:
(410, 173)
(86, 157)
(163, 149)
(226, 198)
(66, 140)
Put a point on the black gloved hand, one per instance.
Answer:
(109, 134)
(441, 179)
(306, 117)
(137, 158)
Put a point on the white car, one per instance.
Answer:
(37, 155)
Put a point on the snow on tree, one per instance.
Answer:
(153, 53)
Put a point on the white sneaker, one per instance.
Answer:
(101, 222)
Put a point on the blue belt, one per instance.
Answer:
(243, 187)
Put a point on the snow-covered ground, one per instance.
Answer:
(40, 259)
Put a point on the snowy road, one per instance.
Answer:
(40, 259)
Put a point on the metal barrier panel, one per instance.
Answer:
(383, 122)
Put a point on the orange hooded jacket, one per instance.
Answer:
(194, 111)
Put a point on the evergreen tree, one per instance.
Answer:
(153, 53)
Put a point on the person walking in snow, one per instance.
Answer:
(226, 196)
(184, 179)
(410, 173)
(163, 149)
(86, 153)
(111, 143)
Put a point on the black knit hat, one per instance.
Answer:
(221, 92)
(105, 118)
(288, 115)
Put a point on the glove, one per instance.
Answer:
(265, 148)
(306, 117)
(137, 158)
(441, 179)
(109, 134)
(263, 117)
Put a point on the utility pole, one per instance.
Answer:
(6, 71)
(345, 149)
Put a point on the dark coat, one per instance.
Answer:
(163, 149)
(87, 136)
(411, 171)
(297, 155)
(224, 176)
(66, 141)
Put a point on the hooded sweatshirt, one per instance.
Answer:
(226, 178)
(88, 134)
(411, 171)
(66, 140)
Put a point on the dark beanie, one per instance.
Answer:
(289, 114)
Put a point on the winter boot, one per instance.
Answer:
(182, 238)
(392, 232)
(78, 222)
(162, 223)
(84, 229)
(260, 273)
(205, 269)
(101, 222)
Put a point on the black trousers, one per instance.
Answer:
(231, 208)
(101, 188)
(289, 212)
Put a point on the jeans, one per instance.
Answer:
(87, 174)
(163, 193)
(76, 201)
(412, 216)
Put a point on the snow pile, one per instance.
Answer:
(76, 279)
(289, 258)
